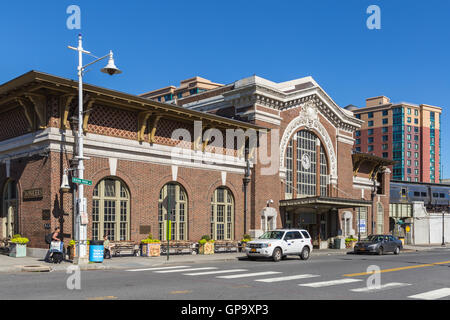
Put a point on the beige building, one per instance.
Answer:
(187, 88)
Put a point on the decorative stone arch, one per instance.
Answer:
(309, 119)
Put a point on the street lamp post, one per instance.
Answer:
(81, 219)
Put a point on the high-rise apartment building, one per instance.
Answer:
(405, 132)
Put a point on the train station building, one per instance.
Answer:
(234, 159)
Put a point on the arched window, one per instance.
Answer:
(222, 214)
(173, 200)
(10, 219)
(111, 210)
(309, 169)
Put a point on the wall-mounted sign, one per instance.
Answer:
(46, 214)
(32, 194)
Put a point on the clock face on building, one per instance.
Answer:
(306, 161)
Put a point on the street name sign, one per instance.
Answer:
(82, 181)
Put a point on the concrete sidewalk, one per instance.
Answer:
(31, 264)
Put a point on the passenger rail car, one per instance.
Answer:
(435, 196)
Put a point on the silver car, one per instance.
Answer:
(379, 243)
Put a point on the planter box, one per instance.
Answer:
(207, 248)
(72, 252)
(151, 249)
(350, 245)
(18, 250)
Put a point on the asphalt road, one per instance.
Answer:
(408, 276)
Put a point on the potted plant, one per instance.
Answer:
(150, 247)
(243, 243)
(18, 246)
(350, 242)
(72, 249)
(206, 245)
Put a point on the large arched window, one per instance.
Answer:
(310, 168)
(111, 210)
(222, 214)
(10, 219)
(173, 200)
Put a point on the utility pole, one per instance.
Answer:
(246, 181)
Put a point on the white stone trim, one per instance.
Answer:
(363, 183)
(345, 139)
(122, 149)
(112, 166)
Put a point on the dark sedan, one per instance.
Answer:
(379, 244)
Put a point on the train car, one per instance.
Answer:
(434, 196)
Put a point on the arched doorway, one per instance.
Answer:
(10, 219)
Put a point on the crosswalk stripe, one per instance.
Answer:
(183, 270)
(329, 283)
(381, 287)
(299, 276)
(432, 295)
(248, 275)
(213, 272)
(158, 268)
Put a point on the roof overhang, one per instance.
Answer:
(34, 81)
(324, 203)
(375, 163)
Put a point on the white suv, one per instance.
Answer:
(279, 243)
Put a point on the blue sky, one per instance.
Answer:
(159, 43)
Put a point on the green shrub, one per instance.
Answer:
(149, 240)
(206, 237)
(20, 240)
(350, 239)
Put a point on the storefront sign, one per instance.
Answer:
(32, 194)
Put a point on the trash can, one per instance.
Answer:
(96, 250)
(339, 243)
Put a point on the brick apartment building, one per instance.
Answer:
(405, 132)
(148, 158)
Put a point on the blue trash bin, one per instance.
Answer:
(96, 250)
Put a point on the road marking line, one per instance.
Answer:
(328, 283)
(102, 298)
(159, 268)
(382, 287)
(432, 295)
(397, 269)
(299, 276)
(180, 291)
(248, 275)
(213, 272)
(182, 270)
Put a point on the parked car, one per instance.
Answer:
(379, 243)
(280, 243)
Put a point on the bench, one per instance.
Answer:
(178, 247)
(226, 246)
(119, 247)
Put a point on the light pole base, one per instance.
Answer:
(81, 260)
